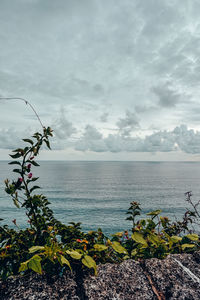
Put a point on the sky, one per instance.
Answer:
(115, 79)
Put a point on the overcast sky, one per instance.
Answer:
(115, 79)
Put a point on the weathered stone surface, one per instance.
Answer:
(36, 287)
(120, 282)
(176, 277)
(172, 279)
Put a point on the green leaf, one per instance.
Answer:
(100, 247)
(175, 239)
(14, 163)
(119, 248)
(47, 143)
(187, 246)
(34, 163)
(17, 171)
(130, 218)
(34, 188)
(138, 237)
(89, 262)
(17, 155)
(154, 239)
(154, 213)
(74, 254)
(34, 179)
(28, 141)
(23, 266)
(193, 237)
(133, 252)
(18, 150)
(35, 248)
(64, 261)
(35, 265)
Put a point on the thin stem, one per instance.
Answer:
(26, 102)
(26, 188)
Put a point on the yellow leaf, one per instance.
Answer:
(154, 239)
(138, 237)
(74, 254)
(193, 237)
(23, 266)
(119, 248)
(15, 200)
(187, 246)
(126, 257)
(35, 248)
(34, 264)
(154, 213)
(175, 239)
(64, 261)
(134, 252)
(119, 234)
(100, 247)
(89, 262)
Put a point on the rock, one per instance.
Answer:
(36, 287)
(119, 282)
(176, 277)
(171, 277)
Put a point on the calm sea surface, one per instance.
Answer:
(98, 193)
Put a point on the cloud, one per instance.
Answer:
(128, 124)
(145, 108)
(187, 140)
(62, 127)
(167, 96)
(10, 138)
(92, 140)
(181, 138)
(104, 117)
(92, 56)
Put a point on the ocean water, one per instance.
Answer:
(98, 194)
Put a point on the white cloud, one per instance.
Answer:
(181, 138)
(187, 140)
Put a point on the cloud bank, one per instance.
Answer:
(179, 139)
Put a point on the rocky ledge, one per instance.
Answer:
(176, 277)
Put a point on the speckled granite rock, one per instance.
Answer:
(176, 277)
(119, 282)
(171, 277)
(36, 287)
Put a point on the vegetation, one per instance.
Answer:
(50, 247)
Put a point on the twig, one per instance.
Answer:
(27, 103)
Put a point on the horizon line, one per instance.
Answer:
(73, 160)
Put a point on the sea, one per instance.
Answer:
(98, 193)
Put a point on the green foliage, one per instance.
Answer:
(50, 247)
(157, 236)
